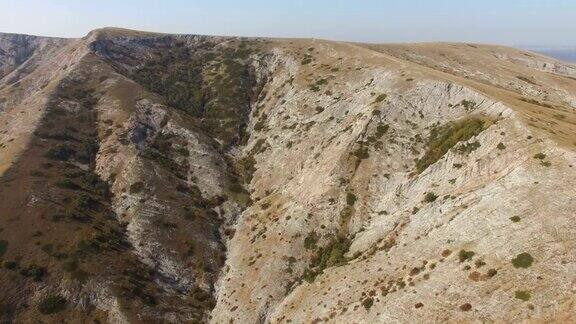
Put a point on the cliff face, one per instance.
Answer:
(151, 177)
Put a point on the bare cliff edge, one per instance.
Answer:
(179, 178)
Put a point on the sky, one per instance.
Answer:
(509, 22)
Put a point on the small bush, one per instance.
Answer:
(501, 146)
(430, 197)
(522, 260)
(67, 184)
(34, 271)
(468, 104)
(540, 156)
(3, 247)
(380, 98)
(61, 152)
(515, 219)
(11, 265)
(368, 302)
(136, 187)
(381, 129)
(465, 255)
(351, 199)
(52, 304)
(183, 151)
(310, 241)
(522, 295)
(361, 153)
(319, 109)
(468, 147)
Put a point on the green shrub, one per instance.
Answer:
(523, 260)
(540, 156)
(62, 152)
(310, 241)
(3, 247)
(67, 184)
(34, 271)
(350, 199)
(11, 265)
(522, 295)
(465, 255)
(137, 187)
(331, 255)
(468, 104)
(361, 153)
(515, 219)
(183, 151)
(52, 304)
(501, 146)
(442, 139)
(468, 147)
(368, 302)
(381, 129)
(430, 197)
(380, 98)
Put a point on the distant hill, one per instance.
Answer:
(567, 54)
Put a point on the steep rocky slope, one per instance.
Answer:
(179, 178)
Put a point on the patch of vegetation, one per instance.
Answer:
(468, 147)
(137, 187)
(501, 146)
(214, 85)
(3, 247)
(11, 265)
(381, 129)
(311, 240)
(380, 98)
(52, 304)
(522, 295)
(71, 266)
(368, 302)
(522, 260)
(34, 271)
(430, 197)
(536, 102)
(61, 152)
(464, 255)
(525, 79)
(331, 255)
(443, 138)
(515, 219)
(540, 156)
(468, 104)
(135, 284)
(351, 199)
(361, 153)
(67, 184)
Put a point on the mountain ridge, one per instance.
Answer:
(226, 178)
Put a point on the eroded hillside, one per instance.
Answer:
(178, 178)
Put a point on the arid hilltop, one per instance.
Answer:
(149, 178)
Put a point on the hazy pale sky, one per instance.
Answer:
(512, 22)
